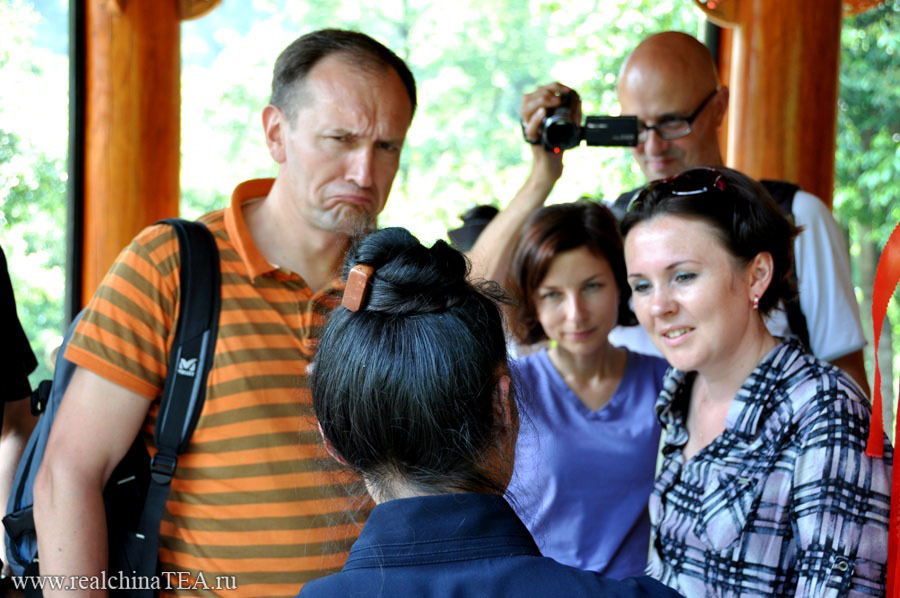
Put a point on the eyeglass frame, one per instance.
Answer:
(644, 128)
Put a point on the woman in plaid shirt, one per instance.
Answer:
(765, 488)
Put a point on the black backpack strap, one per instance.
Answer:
(783, 193)
(185, 386)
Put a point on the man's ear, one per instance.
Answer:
(330, 448)
(275, 126)
(721, 104)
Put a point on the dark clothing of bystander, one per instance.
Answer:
(460, 545)
(16, 357)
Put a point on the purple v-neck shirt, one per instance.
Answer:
(583, 477)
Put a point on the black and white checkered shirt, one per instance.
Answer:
(785, 501)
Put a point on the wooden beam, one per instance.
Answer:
(132, 137)
(783, 65)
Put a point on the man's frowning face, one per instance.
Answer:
(341, 150)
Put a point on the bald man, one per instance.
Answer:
(669, 81)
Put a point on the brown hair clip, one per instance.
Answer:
(357, 286)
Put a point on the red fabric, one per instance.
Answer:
(886, 279)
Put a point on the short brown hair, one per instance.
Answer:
(297, 60)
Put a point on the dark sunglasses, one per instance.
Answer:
(693, 181)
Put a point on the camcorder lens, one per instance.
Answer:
(559, 132)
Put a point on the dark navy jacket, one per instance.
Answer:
(460, 545)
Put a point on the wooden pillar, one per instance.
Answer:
(726, 43)
(782, 119)
(132, 132)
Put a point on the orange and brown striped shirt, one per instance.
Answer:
(255, 495)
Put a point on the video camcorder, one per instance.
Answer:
(559, 132)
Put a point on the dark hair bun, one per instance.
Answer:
(409, 278)
(405, 385)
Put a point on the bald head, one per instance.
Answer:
(667, 76)
(668, 58)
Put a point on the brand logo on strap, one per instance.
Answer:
(187, 367)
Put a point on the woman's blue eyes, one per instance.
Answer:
(640, 287)
(643, 286)
(590, 286)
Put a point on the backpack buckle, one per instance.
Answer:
(40, 396)
(162, 468)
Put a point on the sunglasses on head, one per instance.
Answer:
(693, 181)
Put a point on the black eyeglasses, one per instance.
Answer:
(674, 128)
(692, 181)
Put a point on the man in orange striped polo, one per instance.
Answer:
(253, 496)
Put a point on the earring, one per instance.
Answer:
(755, 303)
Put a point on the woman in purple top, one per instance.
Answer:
(587, 448)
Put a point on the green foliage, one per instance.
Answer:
(867, 162)
(867, 165)
(32, 186)
(32, 214)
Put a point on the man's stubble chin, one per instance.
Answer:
(352, 223)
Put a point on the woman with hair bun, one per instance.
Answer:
(411, 389)
(765, 487)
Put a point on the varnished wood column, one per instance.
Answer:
(782, 119)
(726, 41)
(132, 136)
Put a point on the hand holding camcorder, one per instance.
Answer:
(560, 132)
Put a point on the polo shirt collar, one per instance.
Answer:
(253, 259)
(256, 263)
